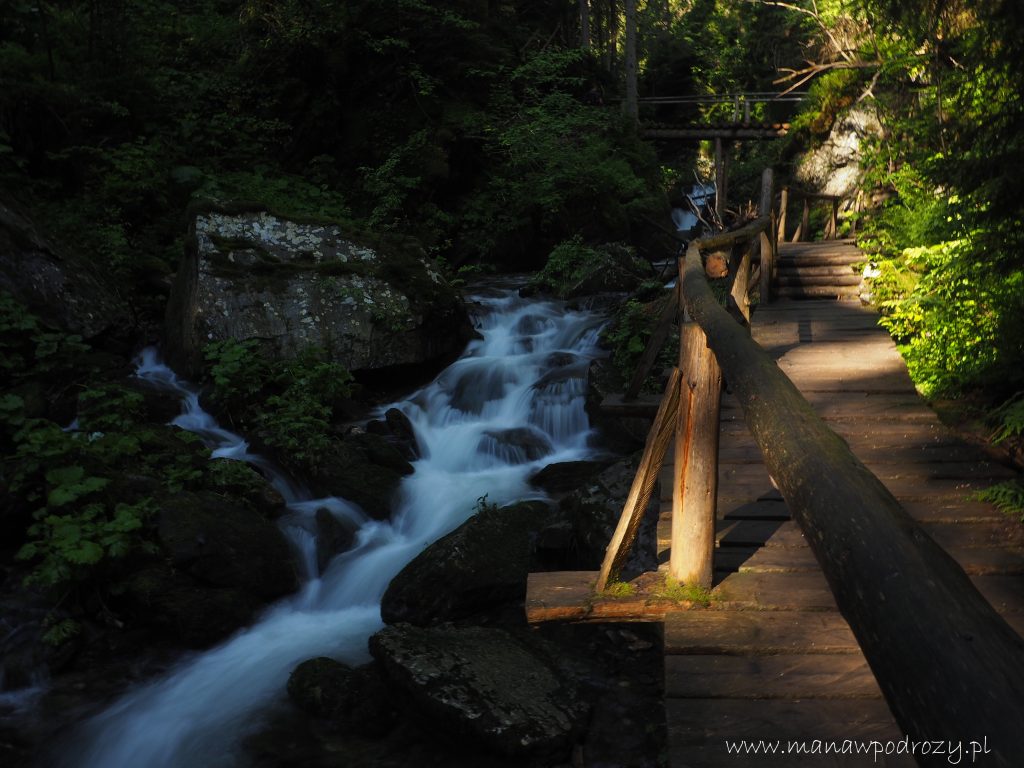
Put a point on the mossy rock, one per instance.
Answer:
(350, 699)
(365, 469)
(372, 303)
(485, 685)
(185, 610)
(226, 543)
(478, 570)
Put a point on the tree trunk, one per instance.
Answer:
(612, 28)
(631, 105)
(585, 24)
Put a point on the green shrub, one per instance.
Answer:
(567, 264)
(288, 404)
(629, 333)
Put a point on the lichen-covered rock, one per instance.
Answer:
(60, 287)
(250, 274)
(484, 684)
(479, 569)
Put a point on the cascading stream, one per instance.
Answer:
(510, 405)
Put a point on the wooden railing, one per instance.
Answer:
(949, 665)
(803, 229)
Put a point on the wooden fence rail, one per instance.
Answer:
(803, 230)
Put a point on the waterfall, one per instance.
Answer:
(509, 406)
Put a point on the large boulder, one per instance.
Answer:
(834, 167)
(364, 468)
(62, 288)
(478, 570)
(226, 544)
(250, 274)
(220, 562)
(587, 518)
(483, 684)
(350, 699)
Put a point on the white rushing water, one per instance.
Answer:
(510, 405)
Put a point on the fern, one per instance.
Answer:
(1007, 497)
(1010, 418)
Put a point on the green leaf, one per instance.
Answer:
(65, 475)
(87, 553)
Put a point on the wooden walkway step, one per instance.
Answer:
(819, 270)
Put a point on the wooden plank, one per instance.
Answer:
(699, 728)
(791, 270)
(763, 632)
(643, 407)
(793, 279)
(903, 488)
(873, 455)
(570, 596)
(818, 291)
(975, 561)
(784, 534)
(972, 472)
(790, 676)
(804, 591)
(808, 591)
(559, 595)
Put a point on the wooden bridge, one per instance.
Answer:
(861, 593)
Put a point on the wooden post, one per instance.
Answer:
(835, 218)
(767, 267)
(805, 222)
(764, 205)
(739, 275)
(721, 176)
(764, 208)
(783, 204)
(746, 112)
(643, 484)
(695, 479)
(695, 489)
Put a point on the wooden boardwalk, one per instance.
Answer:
(772, 659)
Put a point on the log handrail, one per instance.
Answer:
(949, 665)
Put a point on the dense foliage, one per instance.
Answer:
(287, 404)
(71, 513)
(461, 123)
(943, 80)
